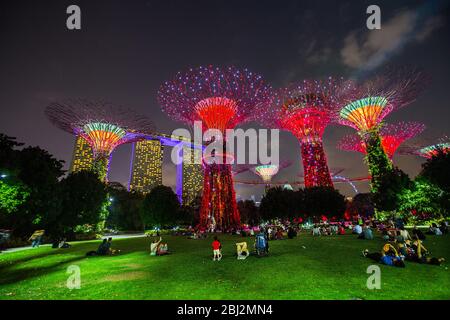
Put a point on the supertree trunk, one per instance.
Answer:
(376, 158)
(219, 200)
(101, 166)
(315, 165)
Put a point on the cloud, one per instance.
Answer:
(371, 49)
(431, 25)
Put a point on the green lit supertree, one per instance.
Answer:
(375, 99)
(103, 125)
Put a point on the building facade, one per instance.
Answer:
(146, 167)
(83, 157)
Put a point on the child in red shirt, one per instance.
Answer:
(217, 246)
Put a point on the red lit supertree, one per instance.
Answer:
(392, 136)
(374, 100)
(427, 150)
(221, 98)
(103, 125)
(430, 151)
(306, 109)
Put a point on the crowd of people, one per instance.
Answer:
(396, 252)
(104, 249)
(400, 244)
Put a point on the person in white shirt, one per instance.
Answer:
(154, 246)
(316, 231)
(405, 234)
(357, 229)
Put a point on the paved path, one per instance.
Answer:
(116, 236)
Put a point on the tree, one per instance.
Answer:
(362, 204)
(325, 201)
(423, 197)
(8, 151)
(249, 212)
(83, 200)
(125, 210)
(38, 171)
(278, 203)
(377, 161)
(392, 184)
(437, 170)
(160, 207)
(12, 196)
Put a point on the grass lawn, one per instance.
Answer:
(303, 268)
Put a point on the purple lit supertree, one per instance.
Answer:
(392, 135)
(306, 109)
(374, 100)
(221, 98)
(103, 125)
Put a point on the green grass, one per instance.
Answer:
(327, 268)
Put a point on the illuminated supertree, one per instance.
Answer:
(392, 136)
(102, 125)
(374, 100)
(306, 109)
(268, 171)
(221, 98)
(430, 151)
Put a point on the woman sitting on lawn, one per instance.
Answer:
(154, 246)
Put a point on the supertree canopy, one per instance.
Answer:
(306, 109)
(374, 100)
(221, 98)
(266, 172)
(391, 135)
(103, 125)
(430, 151)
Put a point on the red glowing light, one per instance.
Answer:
(221, 98)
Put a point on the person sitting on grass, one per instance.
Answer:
(109, 250)
(444, 227)
(420, 254)
(366, 234)
(341, 230)
(418, 233)
(261, 244)
(385, 258)
(217, 247)
(279, 234)
(163, 249)
(405, 234)
(63, 244)
(242, 250)
(154, 246)
(385, 235)
(316, 230)
(291, 233)
(103, 248)
(357, 229)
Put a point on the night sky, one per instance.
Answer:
(126, 49)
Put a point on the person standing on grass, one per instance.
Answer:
(217, 247)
